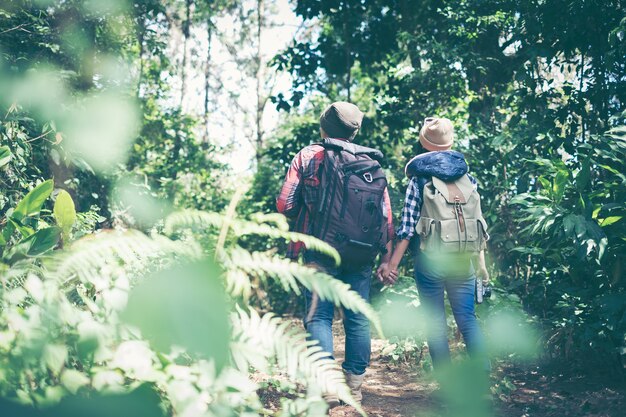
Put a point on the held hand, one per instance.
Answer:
(382, 272)
(392, 277)
(386, 274)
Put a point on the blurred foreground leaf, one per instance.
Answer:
(510, 334)
(183, 306)
(465, 389)
(142, 402)
(101, 130)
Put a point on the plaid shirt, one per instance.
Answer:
(413, 206)
(297, 195)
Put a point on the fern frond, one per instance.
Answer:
(290, 274)
(277, 219)
(311, 243)
(16, 275)
(87, 257)
(200, 220)
(191, 219)
(238, 283)
(272, 337)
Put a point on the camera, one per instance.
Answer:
(482, 291)
(487, 292)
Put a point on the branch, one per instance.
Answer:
(18, 27)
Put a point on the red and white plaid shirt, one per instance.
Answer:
(300, 187)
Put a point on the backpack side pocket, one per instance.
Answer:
(425, 229)
(482, 231)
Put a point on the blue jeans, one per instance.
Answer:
(318, 320)
(461, 296)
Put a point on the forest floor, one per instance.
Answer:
(399, 390)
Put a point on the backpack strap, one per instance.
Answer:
(354, 149)
(461, 188)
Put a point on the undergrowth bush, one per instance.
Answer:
(119, 309)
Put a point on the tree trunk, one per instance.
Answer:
(140, 38)
(186, 32)
(348, 54)
(207, 83)
(259, 82)
(580, 94)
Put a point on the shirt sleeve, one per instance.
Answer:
(288, 201)
(410, 211)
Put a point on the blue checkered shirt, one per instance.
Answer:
(413, 206)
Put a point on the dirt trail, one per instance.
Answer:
(396, 390)
(388, 390)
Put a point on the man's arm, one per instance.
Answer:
(390, 232)
(388, 272)
(382, 271)
(288, 200)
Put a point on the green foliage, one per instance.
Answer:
(572, 238)
(403, 351)
(531, 95)
(89, 341)
(25, 234)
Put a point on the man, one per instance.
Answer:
(350, 209)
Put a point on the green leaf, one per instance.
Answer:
(64, 212)
(529, 251)
(610, 220)
(54, 357)
(73, 380)
(33, 201)
(545, 184)
(183, 306)
(25, 231)
(558, 186)
(36, 244)
(583, 176)
(89, 334)
(5, 155)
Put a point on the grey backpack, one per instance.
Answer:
(350, 215)
(451, 220)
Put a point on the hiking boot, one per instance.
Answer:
(332, 400)
(354, 382)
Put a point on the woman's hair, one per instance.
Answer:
(419, 149)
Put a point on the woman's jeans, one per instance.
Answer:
(318, 320)
(461, 296)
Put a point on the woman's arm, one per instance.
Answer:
(481, 267)
(389, 270)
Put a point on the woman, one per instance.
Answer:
(438, 263)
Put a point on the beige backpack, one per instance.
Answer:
(451, 220)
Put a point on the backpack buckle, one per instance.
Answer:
(368, 177)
